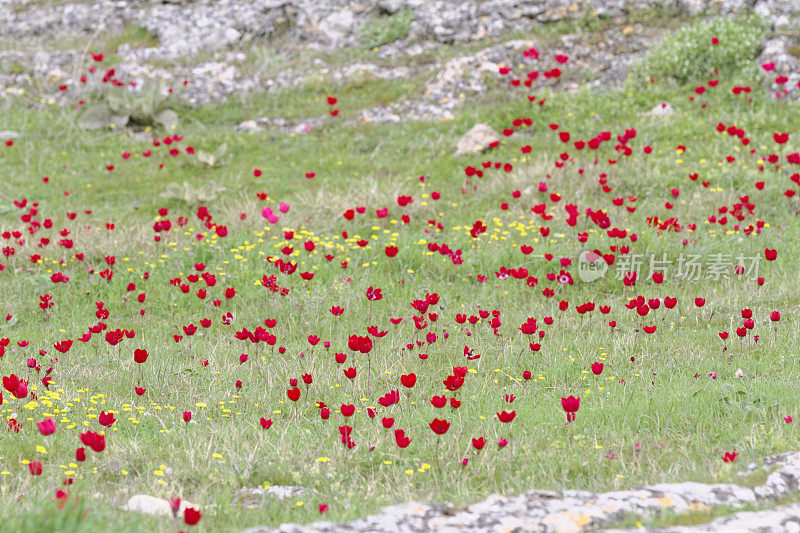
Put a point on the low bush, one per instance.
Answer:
(725, 44)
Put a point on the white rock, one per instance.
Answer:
(279, 491)
(390, 6)
(477, 139)
(142, 503)
(338, 25)
(232, 35)
(662, 110)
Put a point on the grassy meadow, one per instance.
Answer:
(672, 395)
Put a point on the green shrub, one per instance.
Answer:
(121, 107)
(688, 54)
(380, 30)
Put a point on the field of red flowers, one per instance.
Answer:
(604, 298)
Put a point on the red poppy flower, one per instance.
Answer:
(95, 441)
(408, 380)
(46, 426)
(570, 405)
(35, 468)
(140, 355)
(191, 516)
(401, 439)
(506, 417)
(106, 419)
(439, 427)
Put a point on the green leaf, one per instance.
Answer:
(213, 159)
(174, 191)
(101, 117)
(209, 192)
(119, 121)
(220, 151)
(192, 194)
(149, 97)
(95, 118)
(159, 99)
(205, 158)
(118, 101)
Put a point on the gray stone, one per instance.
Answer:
(292, 126)
(390, 7)
(192, 40)
(661, 110)
(609, 8)
(476, 139)
(142, 503)
(783, 519)
(575, 511)
(775, 50)
(337, 26)
(279, 491)
(692, 7)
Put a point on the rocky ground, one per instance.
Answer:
(573, 511)
(225, 48)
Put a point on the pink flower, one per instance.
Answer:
(35, 468)
(175, 505)
(46, 426)
(270, 215)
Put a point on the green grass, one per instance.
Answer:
(136, 36)
(378, 30)
(681, 423)
(309, 100)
